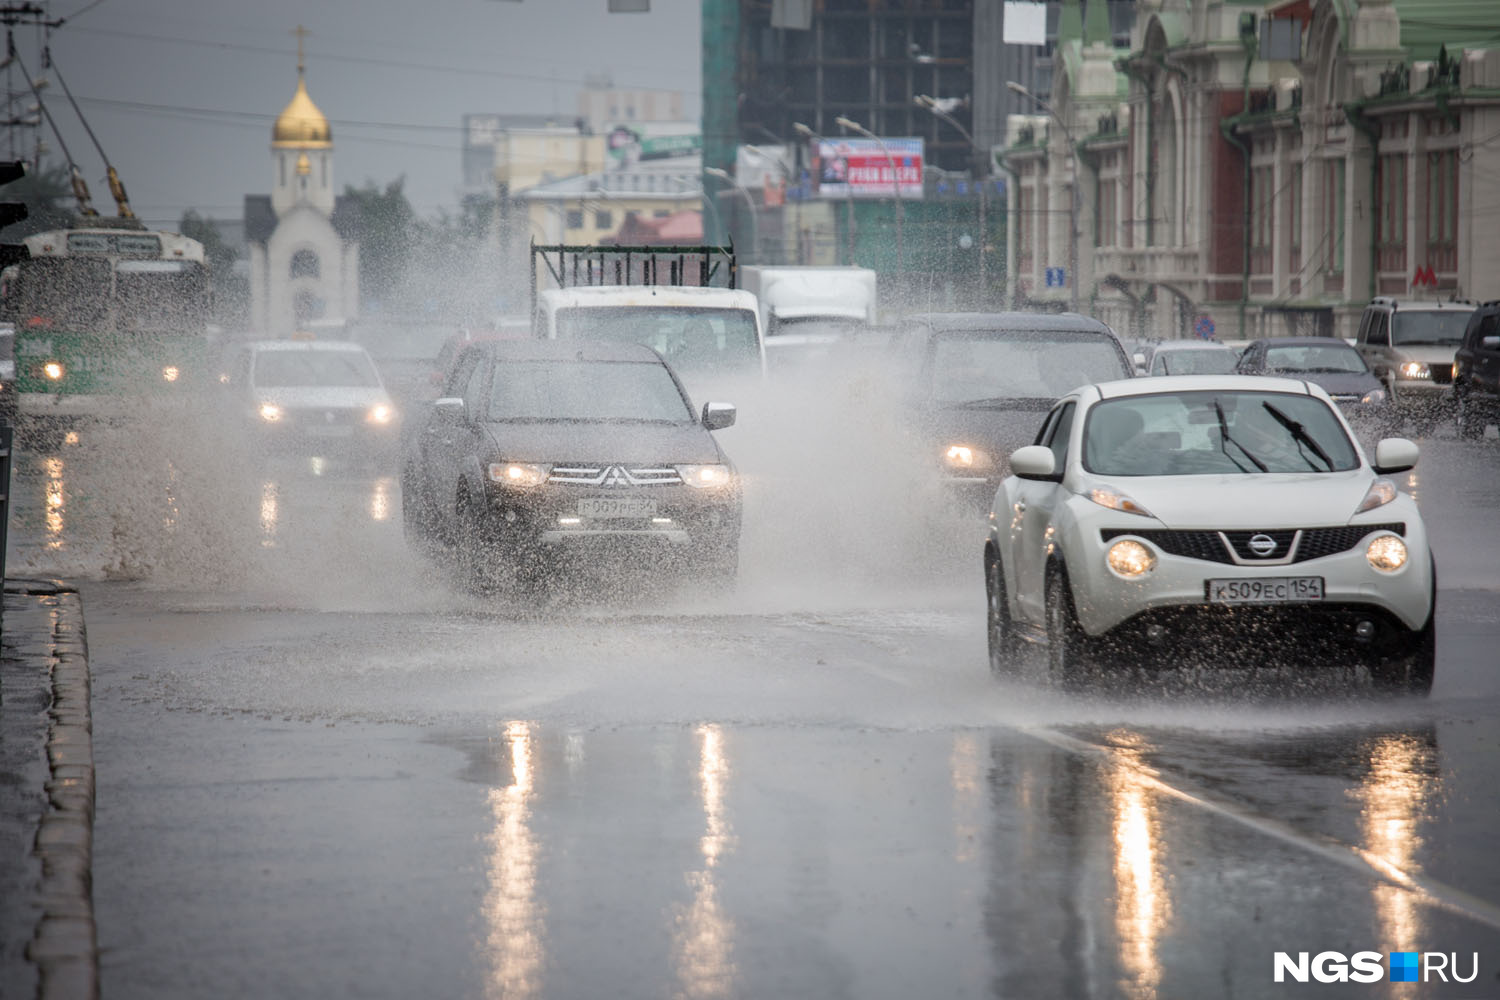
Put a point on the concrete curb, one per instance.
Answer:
(64, 946)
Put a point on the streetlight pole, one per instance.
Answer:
(808, 133)
(855, 126)
(982, 176)
(1073, 199)
(786, 178)
(726, 176)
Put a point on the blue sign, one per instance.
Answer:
(1204, 328)
(1057, 277)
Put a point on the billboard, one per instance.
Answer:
(861, 168)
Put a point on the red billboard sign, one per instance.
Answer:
(867, 168)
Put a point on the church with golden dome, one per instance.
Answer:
(304, 239)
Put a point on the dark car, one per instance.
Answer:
(980, 383)
(1476, 372)
(1328, 362)
(538, 451)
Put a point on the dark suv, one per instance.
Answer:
(541, 450)
(1476, 372)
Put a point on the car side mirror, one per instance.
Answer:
(1490, 343)
(717, 416)
(1395, 455)
(450, 406)
(1035, 462)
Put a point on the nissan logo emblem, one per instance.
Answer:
(1262, 545)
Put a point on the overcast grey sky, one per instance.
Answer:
(182, 94)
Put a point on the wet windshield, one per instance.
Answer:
(594, 390)
(1204, 433)
(301, 369)
(689, 338)
(1446, 327)
(980, 365)
(1314, 358)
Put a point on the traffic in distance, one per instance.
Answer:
(1126, 517)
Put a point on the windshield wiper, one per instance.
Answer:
(1300, 435)
(1225, 441)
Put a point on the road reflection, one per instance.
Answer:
(703, 940)
(1142, 904)
(1403, 779)
(514, 949)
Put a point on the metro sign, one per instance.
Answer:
(1424, 276)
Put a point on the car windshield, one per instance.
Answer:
(695, 339)
(1314, 358)
(1194, 361)
(1429, 326)
(586, 390)
(301, 369)
(975, 366)
(1212, 433)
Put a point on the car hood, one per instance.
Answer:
(603, 443)
(1340, 383)
(323, 397)
(999, 429)
(1249, 501)
(1427, 354)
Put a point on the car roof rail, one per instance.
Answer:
(1383, 300)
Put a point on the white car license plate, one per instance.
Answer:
(616, 507)
(1265, 590)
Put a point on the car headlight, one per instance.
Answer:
(381, 414)
(170, 373)
(967, 458)
(1380, 493)
(519, 473)
(270, 412)
(1415, 369)
(1130, 558)
(1373, 396)
(1386, 553)
(704, 476)
(1104, 496)
(54, 370)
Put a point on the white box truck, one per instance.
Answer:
(806, 310)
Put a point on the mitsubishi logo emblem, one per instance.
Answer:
(615, 476)
(1262, 545)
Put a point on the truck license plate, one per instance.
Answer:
(600, 507)
(1265, 590)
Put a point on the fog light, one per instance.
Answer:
(1155, 634)
(1364, 630)
(1386, 553)
(53, 370)
(170, 373)
(1130, 558)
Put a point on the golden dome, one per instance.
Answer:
(301, 123)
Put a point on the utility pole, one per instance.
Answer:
(981, 176)
(854, 126)
(803, 130)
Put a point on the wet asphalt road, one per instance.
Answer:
(323, 770)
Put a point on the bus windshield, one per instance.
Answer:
(690, 338)
(160, 295)
(77, 294)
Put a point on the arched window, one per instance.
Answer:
(304, 264)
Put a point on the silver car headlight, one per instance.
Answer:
(519, 473)
(705, 477)
(1104, 496)
(1415, 369)
(1380, 493)
(269, 412)
(1130, 558)
(381, 413)
(1386, 553)
(967, 458)
(1373, 396)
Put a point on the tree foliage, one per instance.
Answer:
(388, 234)
(48, 196)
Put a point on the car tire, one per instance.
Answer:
(1411, 671)
(478, 552)
(1068, 660)
(1000, 631)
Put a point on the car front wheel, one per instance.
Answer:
(1067, 646)
(1001, 631)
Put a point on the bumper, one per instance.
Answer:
(1177, 586)
(556, 520)
(1410, 391)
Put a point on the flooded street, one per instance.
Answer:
(325, 769)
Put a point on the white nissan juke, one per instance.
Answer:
(1209, 519)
